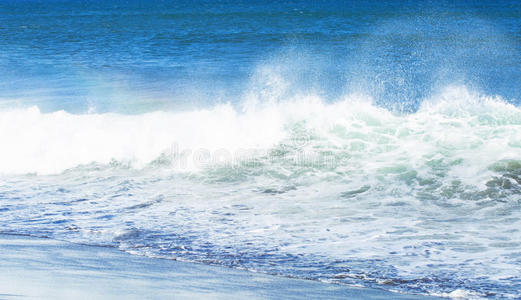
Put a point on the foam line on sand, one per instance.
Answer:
(39, 268)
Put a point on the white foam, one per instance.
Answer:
(456, 123)
(460, 294)
(47, 143)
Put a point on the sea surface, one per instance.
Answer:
(373, 143)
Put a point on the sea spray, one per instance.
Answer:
(365, 143)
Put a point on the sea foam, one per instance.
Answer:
(456, 122)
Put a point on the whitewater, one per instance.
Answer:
(375, 144)
(340, 191)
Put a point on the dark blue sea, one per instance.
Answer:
(368, 143)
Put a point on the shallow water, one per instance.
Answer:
(370, 144)
(106, 273)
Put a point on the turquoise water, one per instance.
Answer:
(375, 144)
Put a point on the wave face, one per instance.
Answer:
(374, 143)
(346, 192)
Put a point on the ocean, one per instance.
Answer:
(369, 143)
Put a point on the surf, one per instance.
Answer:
(455, 123)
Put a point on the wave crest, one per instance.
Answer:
(455, 125)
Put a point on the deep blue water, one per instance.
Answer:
(375, 143)
(129, 55)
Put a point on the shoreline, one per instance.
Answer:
(43, 268)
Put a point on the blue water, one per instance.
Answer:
(368, 143)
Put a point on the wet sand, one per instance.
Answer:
(39, 268)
